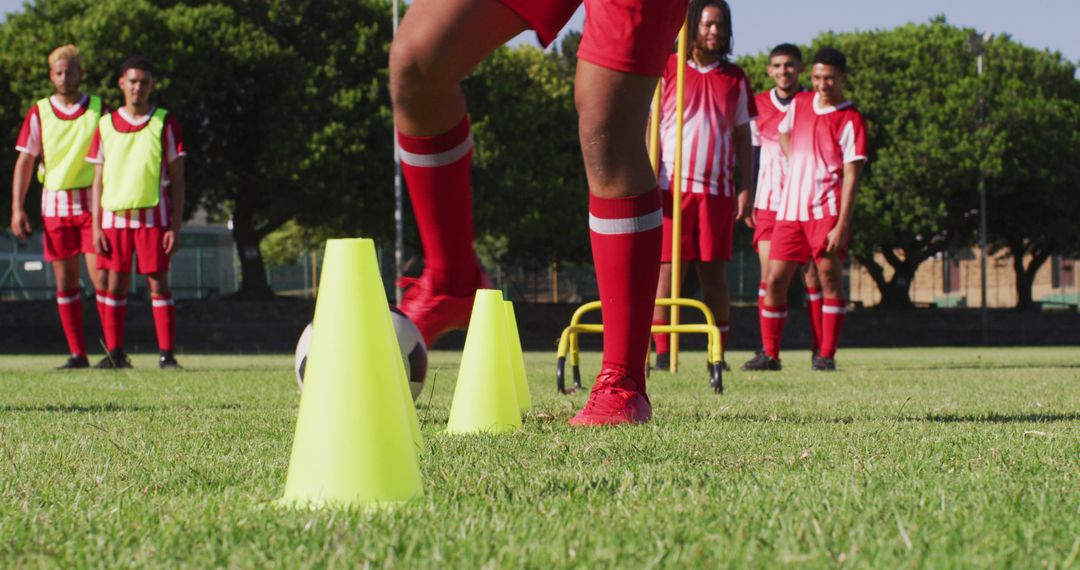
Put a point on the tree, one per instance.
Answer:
(283, 102)
(531, 197)
(1033, 179)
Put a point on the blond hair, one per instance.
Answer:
(68, 52)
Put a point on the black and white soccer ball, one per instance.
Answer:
(413, 351)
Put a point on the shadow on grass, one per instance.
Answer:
(990, 418)
(110, 407)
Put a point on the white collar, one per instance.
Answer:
(693, 65)
(135, 122)
(65, 109)
(826, 110)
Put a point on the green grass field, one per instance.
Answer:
(905, 458)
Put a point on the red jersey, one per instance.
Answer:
(172, 146)
(717, 100)
(56, 203)
(823, 140)
(772, 166)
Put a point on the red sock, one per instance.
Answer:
(832, 320)
(115, 318)
(813, 306)
(164, 321)
(69, 305)
(724, 327)
(102, 308)
(626, 242)
(662, 341)
(438, 173)
(772, 328)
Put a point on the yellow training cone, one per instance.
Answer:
(485, 398)
(517, 359)
(355, 442)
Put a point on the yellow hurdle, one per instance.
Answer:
(568, 341)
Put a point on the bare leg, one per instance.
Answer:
(714, 286)
(778, 281)
(438, 44)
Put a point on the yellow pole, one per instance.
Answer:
(676, 197)
(654, 130)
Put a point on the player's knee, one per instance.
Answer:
(413, 70)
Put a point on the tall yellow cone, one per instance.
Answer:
(485, 398)
(355, 442)
(517, 359)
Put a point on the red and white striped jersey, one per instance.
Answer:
(55, 203)
(172, 144)
(717, 100)
(823, 140)
(772, 166)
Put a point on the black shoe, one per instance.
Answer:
(762, 362)
(114, 359)
(823, 364)
(167, 360)
(663, 361)
(75, 362)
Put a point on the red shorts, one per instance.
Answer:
(799, 241)
(68, 236)
(634, 36)
(764, 221)
(144, 244)
(708, 226)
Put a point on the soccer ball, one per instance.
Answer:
(413, 351)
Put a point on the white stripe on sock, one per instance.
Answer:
(67, 300)
(773, 314)
(440, 158)
(617, 226)
(815, 296)
(162, 302)
(833, 310)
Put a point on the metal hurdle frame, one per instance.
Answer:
(568, 341)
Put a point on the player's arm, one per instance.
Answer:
(101, 244)
(176, 191)
(839, 234)
(20, 183)
(744, 158)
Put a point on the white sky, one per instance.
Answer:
(761, 24)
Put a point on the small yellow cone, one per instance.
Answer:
(355, 441)
(485, 398)
(517, 359)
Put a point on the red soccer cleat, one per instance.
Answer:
(614, 400)
(436, 312)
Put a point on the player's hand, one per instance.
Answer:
(836, 239)
(751, 220)
(20, 224)
(742, 209)
(101, 243)
(171, 241)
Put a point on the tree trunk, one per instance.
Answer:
(895, 291)
(253, 284)
(1025, 276)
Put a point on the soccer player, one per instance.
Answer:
(58, 130)
(824, 139)
(785, 67)
(718, 110)
(623, 50)
(138, 199)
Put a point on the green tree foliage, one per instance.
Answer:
(1033, 176)
(283, 103)
(531, 197)
(918, 89)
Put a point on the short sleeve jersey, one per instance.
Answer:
(717, 101)
(172, 144)
(55, 203)
(823, 140)
(772, 166)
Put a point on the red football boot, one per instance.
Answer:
(614, 400)
(437, 312)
